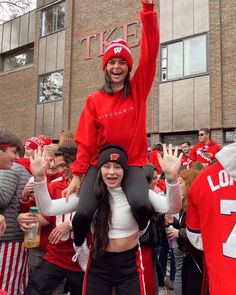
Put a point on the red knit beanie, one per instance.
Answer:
(118, 49)
(35, 142)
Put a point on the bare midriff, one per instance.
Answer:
(122, 244)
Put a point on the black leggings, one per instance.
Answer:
(135, 188)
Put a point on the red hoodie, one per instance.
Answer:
(113, 119)
(197, 152)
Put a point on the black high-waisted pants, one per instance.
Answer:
(121, 270)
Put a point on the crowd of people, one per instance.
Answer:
(110, 214)
(119, 254)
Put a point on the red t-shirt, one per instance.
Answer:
(61, 253)
(185, 161)
(212, 212)
(114, 119)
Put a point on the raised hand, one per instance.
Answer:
(170, 163)
(39, 165)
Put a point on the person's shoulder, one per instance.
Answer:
(95, 95)
(18, 168)
(213, 143)
(197, 145)
(208, 171)
(8, 172)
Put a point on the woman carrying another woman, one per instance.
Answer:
(115, 258)
(117, 114)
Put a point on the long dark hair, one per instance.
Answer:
(102, 217)
(107, 88)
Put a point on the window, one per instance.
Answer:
(230, 136)
(184, 58)
(17, 59)
(53, 19)
(51, 87)
(178, 138)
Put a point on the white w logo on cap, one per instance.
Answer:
(117, 50)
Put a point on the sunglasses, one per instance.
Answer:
(201, 134)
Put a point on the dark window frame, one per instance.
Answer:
(29, 48)
(54, 30)
(165, 69)
(233, 135)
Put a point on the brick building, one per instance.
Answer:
(50, 60)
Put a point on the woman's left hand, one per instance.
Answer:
(170, 163)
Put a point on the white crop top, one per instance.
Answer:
(123, 224)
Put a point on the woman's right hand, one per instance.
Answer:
(38, 165)
(73, 187)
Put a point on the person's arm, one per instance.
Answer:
(46, 205)
(9, 180)
(168, 203)
(49, 207)
(193, 229)
(2, 225)
(149, 45)
(170, 164)
(195, 239)
(192, 155)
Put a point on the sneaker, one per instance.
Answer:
(169, 283)
(81, 255)
(162, 291)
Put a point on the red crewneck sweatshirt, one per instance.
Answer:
(114, 119)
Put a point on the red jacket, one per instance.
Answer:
(113, 119)
(197, 152)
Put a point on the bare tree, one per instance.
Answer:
(10, 9)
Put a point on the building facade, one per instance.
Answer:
(50, 60)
